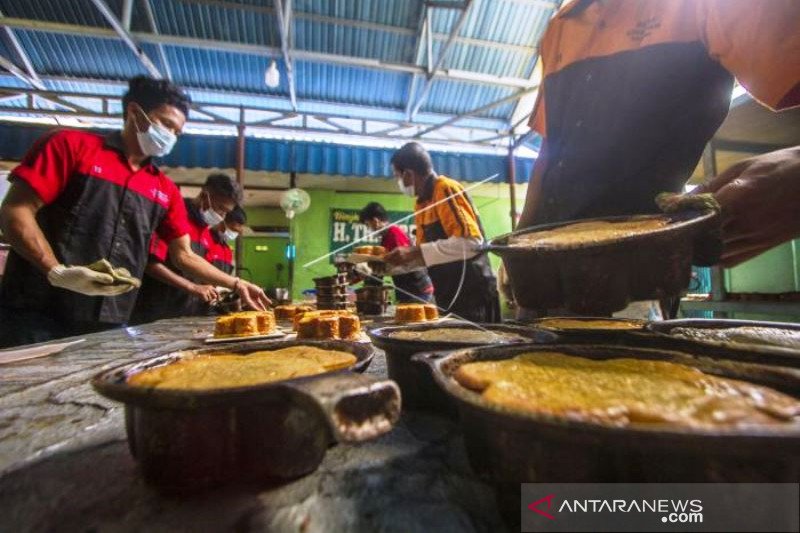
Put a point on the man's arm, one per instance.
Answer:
(760, 199)
(161, 272)
(533, 196)
(181, 254)
(433, 253)
(20, 228)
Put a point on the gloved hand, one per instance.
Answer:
(86, 281)
(119, 275)
(362, 269)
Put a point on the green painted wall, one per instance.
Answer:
(775, 271)
(261, 257)
(266, 216)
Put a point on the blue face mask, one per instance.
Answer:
(157, 141)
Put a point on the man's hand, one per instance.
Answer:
(406, 256)
(252, 295)
(206, 292)
(760, 200)
(86, 281)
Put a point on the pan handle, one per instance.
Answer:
(356, 407)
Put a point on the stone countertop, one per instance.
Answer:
(65, 465)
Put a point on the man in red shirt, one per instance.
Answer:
(78, 197)
(167, 291)
(221, 254)
(414, 286)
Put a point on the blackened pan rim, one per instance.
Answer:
(113, 384)
(382, 334)
(679, 221)
(473, 399)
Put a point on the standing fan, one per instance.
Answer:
(293, 202)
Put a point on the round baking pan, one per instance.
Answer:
(744, 351)
(600, 278)
(414, 379)
(190, 440)
(512, 447)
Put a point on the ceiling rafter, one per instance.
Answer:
(426, 87)
(284, 16)
(353, 61)
(127, 38)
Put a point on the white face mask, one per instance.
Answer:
(157, 141)
(211, 217)
(408, 190)
(231, 235)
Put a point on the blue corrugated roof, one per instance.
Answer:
(388, 34)
(286, 156)
(215, 69)
(204, 21)
(359, 42)
(403, 13)
(69, 55)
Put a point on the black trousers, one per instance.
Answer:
(24, 326)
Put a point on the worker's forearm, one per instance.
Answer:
(161, 272)
(201, 269)
(26, 238)
(450, 250)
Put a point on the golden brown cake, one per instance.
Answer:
(431, 312)
(625, 391)
(378, 250)
(578, 323)
(410, 313)
(349, 327)
(596, 232)
(329, 325)
(363, 250)
(288, 312)
(224, 326)
(223, 370)
(245, 323)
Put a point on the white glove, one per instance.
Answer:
(85, 281)
(362, 269)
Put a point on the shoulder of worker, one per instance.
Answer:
(446, 184)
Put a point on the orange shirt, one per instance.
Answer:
(633, 90)
(454, 217)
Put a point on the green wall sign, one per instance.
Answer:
(346, 229)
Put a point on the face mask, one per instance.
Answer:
(157, 141)
(211, 217)
(408, 190)
(231, 235)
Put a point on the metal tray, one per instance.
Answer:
(511, 447)
(191, 440)
(414, 379)
(598, 279)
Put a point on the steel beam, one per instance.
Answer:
(476, 111)
(426, 88)
(21, 54)
(127, 13)
(229, 46)
(126, 37)
(284, 23)
(148, 10)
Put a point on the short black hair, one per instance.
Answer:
(224, 185)
(372, 210)
(237, 216)
(412, 156)
(151, 93)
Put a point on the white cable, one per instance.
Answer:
(396, 222)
